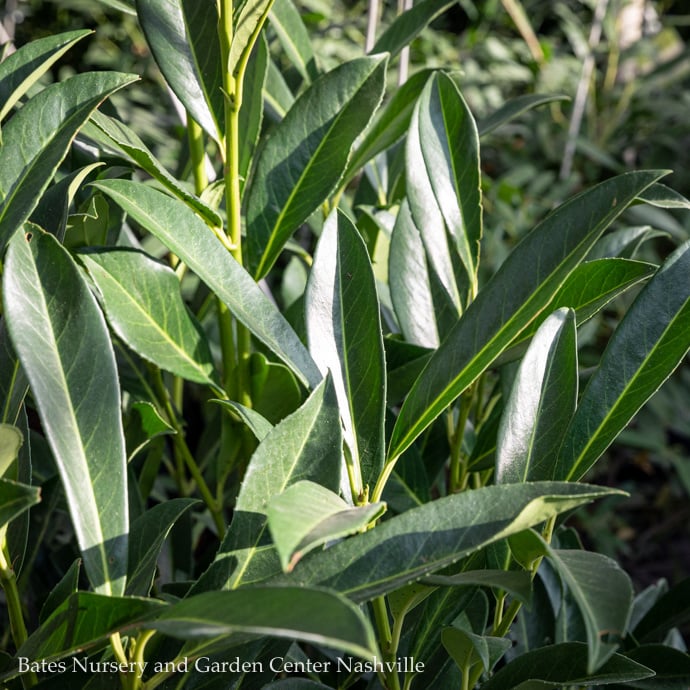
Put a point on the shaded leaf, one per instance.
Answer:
(250, 18)
(672, 667)
(517, 584)
(671, 609)
(257, 423)
(62, 341)
(664, 197)
(68, 585)
(513, 108)
(293, 36)
(186, 235)
(148, 426)
(305, 156)
(11, 440)
(15, 498)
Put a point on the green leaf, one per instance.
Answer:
(304, 446)
(409, 25)
(84, 620)
(541, 403)
(466, 647)
(344, 332)
(306, 515)
(513, 108)
(304, 158)
(563, 664)
(189, 238)
(672, 609)
(183, 37)
(277, 93)
(517, 584)
(310, 615)
(146, 538)
(275, 392)
(141, 298)
(250, 18)
(62, 341)
(114, 133)
(11, 440)
(604, 596)
(13, 383)
(38, 137)
(425, 539)
(21, 70)
(257, 423)
(293, 36)
(15, 498)
(146, 426)
(521, 288)
(647, 346)
(661, 196)
(443, 180)
(68, 585)
(672, 667)
(389, 124)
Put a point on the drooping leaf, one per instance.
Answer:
(648, 344)
(564, 664)
(389, 124)
(516, 583)
(126, 141)
(306, 515)
(62, 341)
(21, 70)
(433, 536)
(409, 24)
(513, 108)
(292, 34)
(37, 138)
(146, 425)
(183, 37)
(311, 615)
(344, 332)
(188, 237)
(466, 647)
(541, 403)
(84, 620)
(443, 181)
(257, 423)
(304, 446)
(664, 197)
(15, 498)
(306, 155)
(521, 288)
(141, 298)
(146, 537)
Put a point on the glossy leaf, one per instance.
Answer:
(648, 344)
(183, 37)
(292, 34)
(146, 425)
(344, 333)
(146, 538)
(664, 197)
(188, 237)
(563, 664)
(306, 515)
(541, 403)
(38, 137)
(521, 288)
(304, 446)
(15, 498)
(257, 423)
(63, 344)
(389, 124)
(311, 615)
(409, 25)
(433, 536)
(305, 157)
(443, 180)
(118, 135)
(21, 70)
(513, 108)
(11, 440)
(142, 301)
(84, 620)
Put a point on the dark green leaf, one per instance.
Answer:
(563, 664)
(670, 610)
(11, 440)
(21, 70)
(344, 331)
(275, 392)
(664, 197)
(13, 383)
(38, 137)
(62, 341)
(522, 287)
(647, 346)
(141, 298)
(517, 584)
(409, 24)
(306, 515)
(183, 37)
(146, 426)
(435, 535)
(293, 36)
(67, 586)
(541, 403)
(305, 157)
(146, 538)
(188, 237)
(672, 667)
(311, 615)
(513, 108)
(305, 445)
(15, 498)
(250, 18)
(257, 423)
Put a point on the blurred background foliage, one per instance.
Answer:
(629, 61)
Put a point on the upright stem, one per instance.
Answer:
(385, 640)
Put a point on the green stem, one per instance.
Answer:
(121, 657)
(458, 462)
(392, 682)
(197, 153)
(138, 656)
